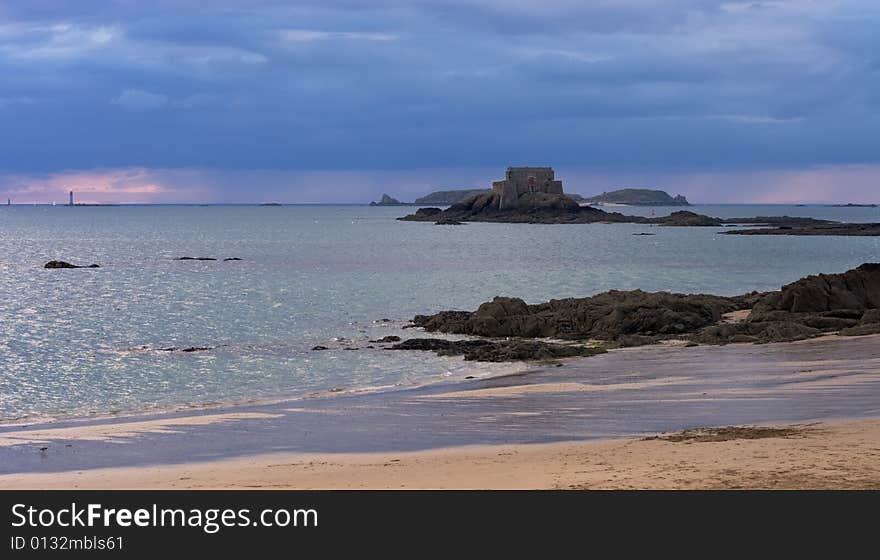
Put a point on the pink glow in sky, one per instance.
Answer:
(824, 184)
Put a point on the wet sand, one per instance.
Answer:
(580, 425)
(835, 455)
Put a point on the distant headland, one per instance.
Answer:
(638, 197)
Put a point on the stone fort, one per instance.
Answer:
(519, 181)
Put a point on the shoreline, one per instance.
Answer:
(552, 416)
(177, 410)
(841, 454)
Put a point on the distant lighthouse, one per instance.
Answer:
(71, 199)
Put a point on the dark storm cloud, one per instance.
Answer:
(623, 84)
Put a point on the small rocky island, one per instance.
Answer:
(638, 197)
(532, 195)
(847, 304)
(387, 200)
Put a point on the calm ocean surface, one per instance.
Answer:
(82, 342)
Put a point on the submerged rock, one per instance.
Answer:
(63, 264)
(196, 259)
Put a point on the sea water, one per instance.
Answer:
(94, 341)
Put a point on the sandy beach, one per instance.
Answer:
(826, 455)
(789, 415)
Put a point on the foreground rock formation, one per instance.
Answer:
(847, 303)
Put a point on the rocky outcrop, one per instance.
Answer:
(607, 316)
(498, 351)
(847, 303)
(63, 264)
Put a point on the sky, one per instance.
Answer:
(342, 100)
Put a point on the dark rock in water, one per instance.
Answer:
(644, 233)
(231, 259)
(196, 259)
(686, 218)
(498, 351)
(448, 222)
(390, 338)
(62, 264)
(319, 347)
(187, 349)
(792, 221)
(835, 229)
